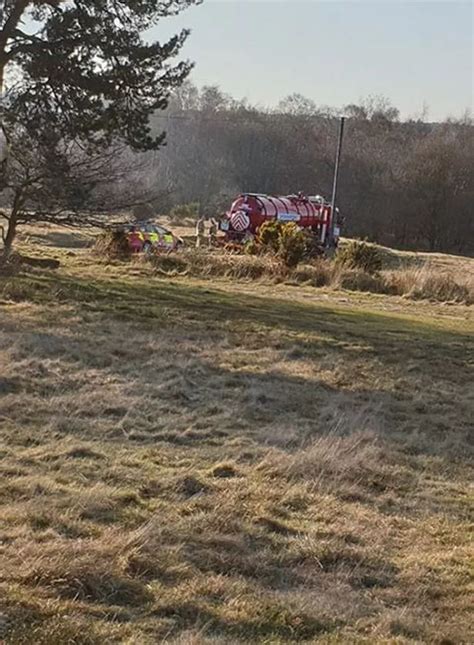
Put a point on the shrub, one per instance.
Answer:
(112, 245)
(182, 212)
(293, 245)
(360, 255)
(268, 236)
(285, 240)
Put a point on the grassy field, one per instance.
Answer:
(197, 461)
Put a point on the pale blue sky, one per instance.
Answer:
(335, 52)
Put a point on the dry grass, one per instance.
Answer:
(223, 265)
(112, 245)
(426, 283)
(422, 283)
(197, 462)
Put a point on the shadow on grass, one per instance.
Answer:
(272, 623)
(259, 399)
(70, 240)
(157, 300)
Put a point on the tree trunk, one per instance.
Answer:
(9, 237)
(12, 226)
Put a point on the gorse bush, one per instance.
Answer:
(314, 249)
(292, 245)
(268, 236)
(9, 264)
(286, 241)
(360, 255)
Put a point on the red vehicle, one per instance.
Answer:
(250, 210)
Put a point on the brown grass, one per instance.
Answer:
(422, 283)
(190, 461)
(208, 264)
(426, 283)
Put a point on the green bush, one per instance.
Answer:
(268, 236)
(292, 244)
(360, 255)
(286, 241)
(183, 212)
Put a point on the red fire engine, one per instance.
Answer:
(250, 210)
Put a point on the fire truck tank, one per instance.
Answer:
(249, 211)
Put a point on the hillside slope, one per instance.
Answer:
(194, 461)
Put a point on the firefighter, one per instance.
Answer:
(212, 232)
(135, 239)
(200, 232)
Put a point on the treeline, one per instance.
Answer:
(407, 184)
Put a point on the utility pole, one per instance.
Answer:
(334, 186)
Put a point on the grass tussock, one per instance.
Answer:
(222, 265)
(95, 570)
(112, 245)
(348, 465)
(426, 283)
(320, 273)
(360, 256)
(358, 280)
